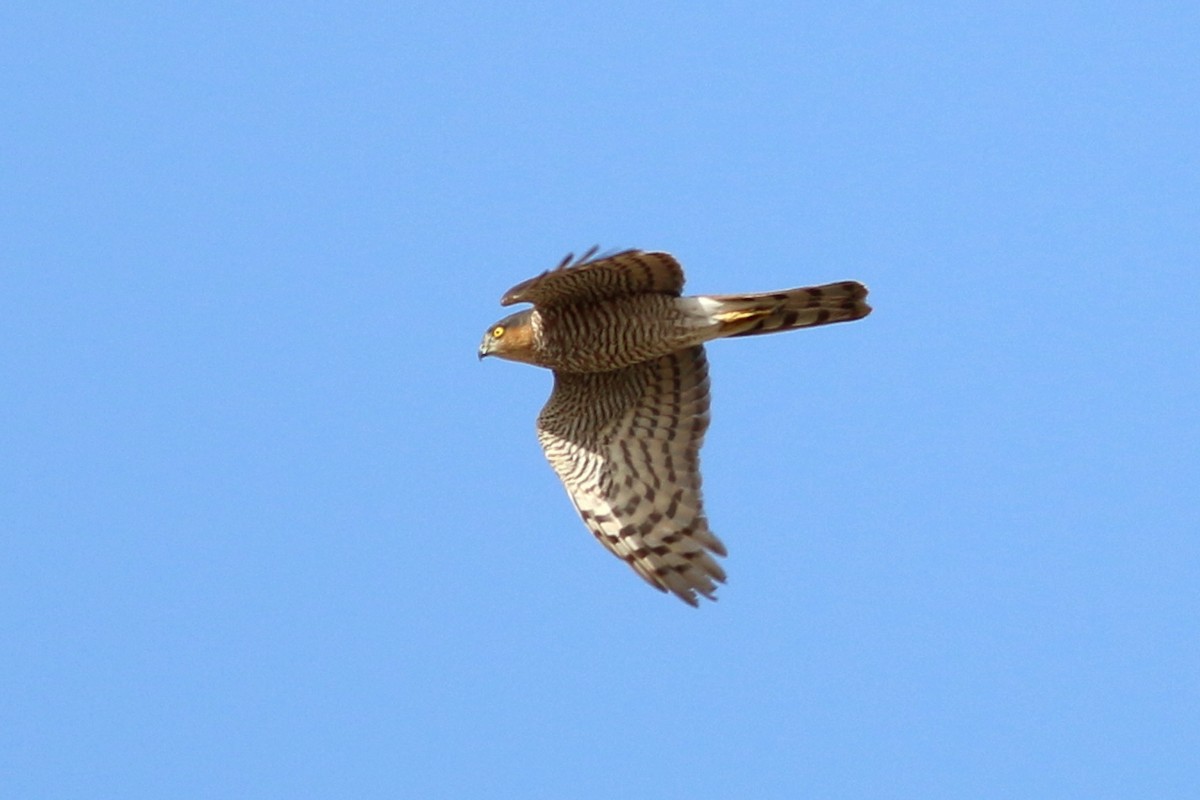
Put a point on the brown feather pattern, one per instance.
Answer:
(630, 406)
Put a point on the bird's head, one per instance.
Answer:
(511, 338)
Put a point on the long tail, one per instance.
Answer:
(769, 312)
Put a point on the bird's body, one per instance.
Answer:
(624, 424)
(598, 341)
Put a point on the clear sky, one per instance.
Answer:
(269, 530)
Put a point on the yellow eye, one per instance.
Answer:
(497, 331)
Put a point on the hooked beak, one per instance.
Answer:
(484, 349)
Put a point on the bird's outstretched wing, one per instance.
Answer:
(626, 444)
(583, 281)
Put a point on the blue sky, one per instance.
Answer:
(268, 529)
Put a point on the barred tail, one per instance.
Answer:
(769, 312)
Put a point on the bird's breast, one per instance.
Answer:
(613, 334)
